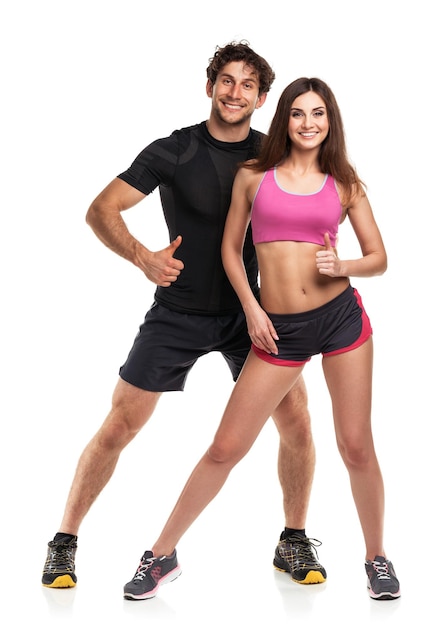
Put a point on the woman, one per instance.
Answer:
(295, 195)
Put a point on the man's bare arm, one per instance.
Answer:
(105, 219)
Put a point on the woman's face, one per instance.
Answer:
(308, 121)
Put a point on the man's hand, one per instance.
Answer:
(161, 267)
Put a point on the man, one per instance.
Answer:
(195, 310)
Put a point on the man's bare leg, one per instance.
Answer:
(295, 553)
(131, 409)
(297, 457)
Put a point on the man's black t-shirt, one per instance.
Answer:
(194, 173)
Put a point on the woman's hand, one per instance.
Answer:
(327, 261)
(261, 330)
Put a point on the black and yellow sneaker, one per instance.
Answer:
(59, 568)
(382, 582)
(151, 573)
(297, 555)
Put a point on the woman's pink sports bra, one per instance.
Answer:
(279, 215)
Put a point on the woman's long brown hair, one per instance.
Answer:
(332, 157)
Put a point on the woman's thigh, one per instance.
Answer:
(349, 381)
(258, 391)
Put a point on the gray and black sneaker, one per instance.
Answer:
(59, 568)
(297, 555)
(151, 573)
(382, 582)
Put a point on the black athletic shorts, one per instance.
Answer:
(338, 326)
(169, 343)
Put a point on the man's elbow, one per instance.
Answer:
(92, 215)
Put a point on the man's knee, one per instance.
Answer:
(292, 412)
(131, 409)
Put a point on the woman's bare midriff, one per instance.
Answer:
(289, 279)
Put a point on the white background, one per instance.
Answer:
(86, 86)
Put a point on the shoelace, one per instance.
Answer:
(307, 545)
(143, 567)
(61, 555)
(381, 569)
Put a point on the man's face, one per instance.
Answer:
(235, 95)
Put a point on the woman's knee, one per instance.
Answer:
(226, 452)
(356, 455)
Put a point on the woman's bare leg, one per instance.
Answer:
(349, 380)
(256, 394)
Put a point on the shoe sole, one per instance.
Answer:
(313, 577)
(61, 582)
(387, 595)
(175, 573)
